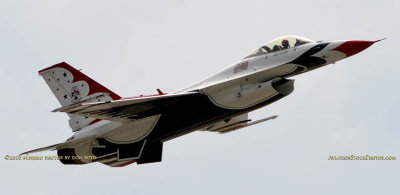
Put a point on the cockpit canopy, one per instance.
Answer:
(280, 43)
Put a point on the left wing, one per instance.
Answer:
(124, 110)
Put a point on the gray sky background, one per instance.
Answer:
(134, 47)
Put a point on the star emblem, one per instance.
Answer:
(75, 94)
(65, 74)
(65, 96)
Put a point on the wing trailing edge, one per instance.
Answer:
(110, 110)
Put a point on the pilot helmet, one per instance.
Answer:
(285, 43)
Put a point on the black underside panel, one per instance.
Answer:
(179, 116)
(187, 113)
(151, 153)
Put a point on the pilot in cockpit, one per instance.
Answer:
(285, 44)
(276, 48)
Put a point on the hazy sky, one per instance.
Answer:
(134, 47)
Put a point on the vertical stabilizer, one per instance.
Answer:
(71, 86)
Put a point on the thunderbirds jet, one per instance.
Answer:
(118, 131)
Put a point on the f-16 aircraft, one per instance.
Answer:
(118, 131)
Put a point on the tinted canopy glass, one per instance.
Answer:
(280, 43)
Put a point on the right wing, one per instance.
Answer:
(235, 123)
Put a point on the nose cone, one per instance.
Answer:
(352, 47)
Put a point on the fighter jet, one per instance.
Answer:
(118, 131)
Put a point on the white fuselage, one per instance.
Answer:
(228, 82)
(263, 63)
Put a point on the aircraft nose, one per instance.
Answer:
(353, 47)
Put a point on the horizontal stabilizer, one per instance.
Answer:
(67, 144)
(69, 107)
(52, 147)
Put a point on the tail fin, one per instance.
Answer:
(70, 86)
